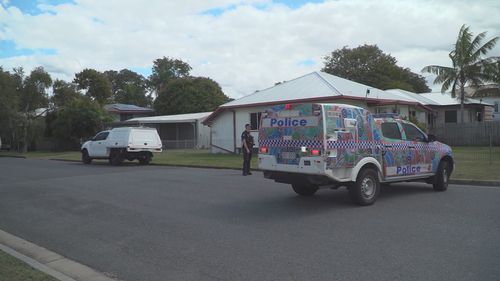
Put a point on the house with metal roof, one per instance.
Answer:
(228, 121)
(489, 93)
(122, 112)
(178, 131)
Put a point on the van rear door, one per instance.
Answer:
(291, 131)
(144, 138)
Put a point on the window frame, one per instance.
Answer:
(424, 136)
(258, 116)
(397, 126)
(106, 134)
(449, 111)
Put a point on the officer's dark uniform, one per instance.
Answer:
(247, 157)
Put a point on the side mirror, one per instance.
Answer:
(431, 138)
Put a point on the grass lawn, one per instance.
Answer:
(12, 269)
(470, 162)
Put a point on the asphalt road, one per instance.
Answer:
(169, 223)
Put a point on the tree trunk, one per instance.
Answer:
(462, 98)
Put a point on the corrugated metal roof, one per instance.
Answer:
(125, 107)
(179, 118)
(416, 97)
(317, 85)
(447, 99)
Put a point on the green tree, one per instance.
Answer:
(80, 119)
(368, 65)
(165, 70)
(95, 84)
(9, 104)
(32, 95)
(63, 93)
(128, 87)
(468, 65)
(189, 95)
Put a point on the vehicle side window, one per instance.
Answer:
(101, 136)
(391, 130)
(412, 133)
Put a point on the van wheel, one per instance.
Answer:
(116, 158)
(85, 157)
(364, 191)
(144, 159)
(304, 189)
(442, 176)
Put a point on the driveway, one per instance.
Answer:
(168, 223)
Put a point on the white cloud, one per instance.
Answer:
(250, 46)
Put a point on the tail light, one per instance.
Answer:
(315, 152)
(263, 149)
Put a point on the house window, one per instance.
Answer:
(255, 120)
(450, 116)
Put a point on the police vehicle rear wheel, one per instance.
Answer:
(364, 191)
(442, 176)
(304, 189)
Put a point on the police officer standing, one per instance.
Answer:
(247, 145)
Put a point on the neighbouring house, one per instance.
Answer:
(489, 93)
(178, 131)
(447, 109)
(228, 121)
(122, 112)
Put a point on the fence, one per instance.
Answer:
(179, 144)
(468, 134)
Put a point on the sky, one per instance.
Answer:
(244, 45)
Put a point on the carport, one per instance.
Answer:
(178, 131)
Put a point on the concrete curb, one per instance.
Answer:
(51, 263)
(13, 156)
(475, 182)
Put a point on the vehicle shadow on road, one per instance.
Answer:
(291, 206)
(278, 207)
(393, 191)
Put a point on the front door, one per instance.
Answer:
(396, 158)
(98, 145)
(419, 151)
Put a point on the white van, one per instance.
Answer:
(118, 144)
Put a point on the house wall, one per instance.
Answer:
(221, 131)
(496, 109)
(203, 134)
(469, 114)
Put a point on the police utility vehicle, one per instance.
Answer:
(118, 144)
(312, 146)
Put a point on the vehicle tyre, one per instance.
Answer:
(85, 157)
(144, 159)
(304, 189)
(116, 158)
(365, 190)
(442, 177)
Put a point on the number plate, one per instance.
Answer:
(288, 155)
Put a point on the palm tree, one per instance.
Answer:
(469, 67)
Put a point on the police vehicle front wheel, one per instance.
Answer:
(304, 189)
(364, 191)
(442, 176)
